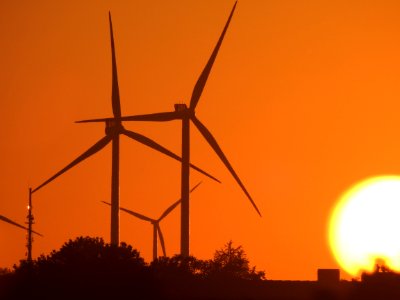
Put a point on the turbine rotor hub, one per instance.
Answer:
(183, 110)
(113, 127)
(180, 107)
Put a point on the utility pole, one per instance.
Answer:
(30, 223)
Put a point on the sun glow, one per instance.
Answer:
(364, 226)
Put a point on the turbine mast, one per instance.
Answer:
(115, 191)
(185, 232)
(155, 254)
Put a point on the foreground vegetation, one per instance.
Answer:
(89, 268)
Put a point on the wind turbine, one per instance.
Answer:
(113, 130)
(187, 114)
(156, 223)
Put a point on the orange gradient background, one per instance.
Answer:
(303, 98)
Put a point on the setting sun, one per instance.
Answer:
(364, 225)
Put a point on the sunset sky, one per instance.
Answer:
(303, 98)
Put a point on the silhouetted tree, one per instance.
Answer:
(178, 266)
(88, 268)
(232, 261)
(88, 251)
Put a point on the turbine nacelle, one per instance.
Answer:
(180, 107)
(182, 111)
(113, 127)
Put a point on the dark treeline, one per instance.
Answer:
(89, 268)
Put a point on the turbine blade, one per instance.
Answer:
(172, 207)
(157, 117)
(95, 120)
(213, 143)
(92, 150)
(195, 187)
(201, 82)
(137, 215)
(152, 144)
(116, 105)
(161, 239)
(39, 234)
(7, 220)
(169, 209)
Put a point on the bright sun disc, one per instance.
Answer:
(365, 225)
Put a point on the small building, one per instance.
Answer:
(329, 276)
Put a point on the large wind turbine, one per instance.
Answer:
(182, 112)
(113, 130)
(156, 223)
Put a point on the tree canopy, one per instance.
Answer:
(232, 261)
(91, 268)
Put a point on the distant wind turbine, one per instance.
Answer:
(113, 130)
(182, 112)
(156, 223)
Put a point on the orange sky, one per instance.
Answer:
(303, 98)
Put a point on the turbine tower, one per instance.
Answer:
(156, 223)
(187, 114)
(113, 129)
